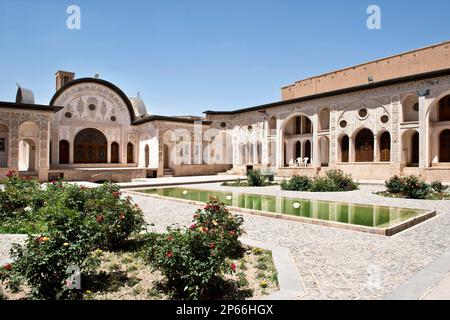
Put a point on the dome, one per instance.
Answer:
(138, 107)
(25, 96)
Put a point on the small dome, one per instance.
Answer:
(24, 96)
(138, 106)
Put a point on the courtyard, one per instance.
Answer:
(331, 263)
(334, 263)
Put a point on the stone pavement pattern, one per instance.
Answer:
(334, 263)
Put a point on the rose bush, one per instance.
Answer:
(42, 262)
(194, 259)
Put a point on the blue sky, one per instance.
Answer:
(185, 57)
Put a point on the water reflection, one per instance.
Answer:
(363, 215)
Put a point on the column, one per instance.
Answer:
(376, 149)
(315, 142)
(423, 130)
(351, 150)
(279, 145)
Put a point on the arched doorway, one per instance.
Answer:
(4, 134)
(415, 149)
(444, 109)
(166, 159)
(90, 146)
(385, 147)
(147, 156)
(64, 152)
(114, 152)
(130, 153)
(364, 146)
(298, 150)
(345, 147)
(324, 151)
(27, 155)
(444, 146)
(307, 152)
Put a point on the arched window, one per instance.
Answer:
(444, 109)
(114, 152)
(63, 152)
(324, 119)
(90, 146)
(298, 125)
(345, 146)
(385, 147)
(364, 146)
(130, 153)
(272, 126)
(444, 146)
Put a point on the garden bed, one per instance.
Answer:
(124, 275)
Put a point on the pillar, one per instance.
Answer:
(315, 142)
(423, 130)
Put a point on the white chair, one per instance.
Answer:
(305, 161)
(291, 163)
(299, 162)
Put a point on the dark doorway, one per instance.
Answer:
(63, 152)
(385, 147)
(130, 153)
(345, 146)
(364, 146)
(90, 146)
(308, 150)
(444, 146)
(415, 149)
(114, 152)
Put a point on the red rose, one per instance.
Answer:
(205, 229)
(192, 227)
(170, 238)
(233, 267)
(212, 245)
(8, 267)
(10, 174)
(122, 216)
(232, 232)
(116, 194)
(169, 254)
(40, 240)
(100, 218)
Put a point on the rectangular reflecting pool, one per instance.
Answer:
(333, 213)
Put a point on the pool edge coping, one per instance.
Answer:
(385, 232)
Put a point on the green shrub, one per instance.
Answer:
(116, 218)
(395, 185)
(194, 260)
(17, 195)
(343, 182)
(438, 187)
(43, 261)
(256, 179)
(296, 183)
(323, 184)
(415, 188)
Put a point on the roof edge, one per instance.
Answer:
(373, 85)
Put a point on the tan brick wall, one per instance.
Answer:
(423, 60)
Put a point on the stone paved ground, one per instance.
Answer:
(333, 263)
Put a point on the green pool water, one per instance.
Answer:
(362, 215)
